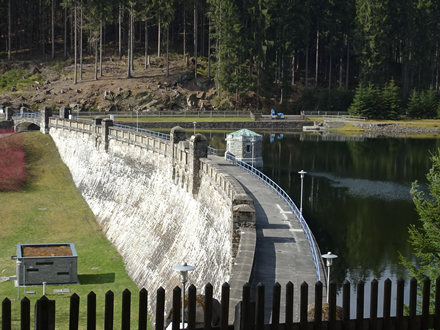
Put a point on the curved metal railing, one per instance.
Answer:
(144, 131)
(216, 152)
(277, 189)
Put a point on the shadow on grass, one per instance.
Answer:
(97, 278)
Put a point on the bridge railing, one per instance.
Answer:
(144, 131)
(27, 114)
(216, 152)
(280, 191)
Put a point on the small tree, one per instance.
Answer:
(390, 101)
(425, 240)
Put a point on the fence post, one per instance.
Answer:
(160, 308)
(208, 307)
(373, 304)
(178, 304)
(437, 304)
(276, 301)
(318, 305)
(332, 305)
(44, 314)
(425, 302)
(126, 306)
(303, 305)
(25, 314)
(260, 307)
(6, 314)
(246, 308)
(192, 307)
(109, 310)
(387, 303)
(143, 309)
(74, 312)
(346, 305)
(224, 306)
(289, 305)
(91, 311)
(399, 302)
(360, 305)
(412, 302)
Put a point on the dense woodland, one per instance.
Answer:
(312, 51)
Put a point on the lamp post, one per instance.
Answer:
(301, 173)
(329, 261)
(253, 143)
(183, 269)
(195, 123)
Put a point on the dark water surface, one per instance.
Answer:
(357, 198)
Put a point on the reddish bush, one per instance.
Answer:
(12, 161)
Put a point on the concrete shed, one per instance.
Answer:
(246, 146)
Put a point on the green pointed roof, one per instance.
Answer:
(244, 132)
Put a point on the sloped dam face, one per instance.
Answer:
(152, 221)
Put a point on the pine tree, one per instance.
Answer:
(390, 101)
(425, 239)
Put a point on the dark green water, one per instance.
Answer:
(356, 196)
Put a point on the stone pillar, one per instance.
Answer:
(198, 148)
(23, 110)
(45, 113)
(243, 210)
(177, 134)
(106, 123)
(9, 112)
(65, 112)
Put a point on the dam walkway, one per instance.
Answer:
(282, 251)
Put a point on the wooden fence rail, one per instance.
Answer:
(250, 314)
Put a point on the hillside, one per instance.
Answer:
(45, 82)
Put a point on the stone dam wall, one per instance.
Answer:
(159, 202)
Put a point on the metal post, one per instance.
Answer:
(195, 123)
(253, 142)
(329, 261)
(183, 269)
(301, 173)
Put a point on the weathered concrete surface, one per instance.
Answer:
(154, 223)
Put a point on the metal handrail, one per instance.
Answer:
(216, 152)
(144, 131)
(275, 187)
(30, 115)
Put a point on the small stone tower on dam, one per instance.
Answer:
(159, 201)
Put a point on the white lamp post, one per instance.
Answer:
(329, 261)
(195, 123)
(183, 269)
(301, 173)
(253, 143)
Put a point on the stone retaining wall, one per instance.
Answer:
(160, 205)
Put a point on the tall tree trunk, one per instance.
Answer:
(129, 49)
(317, 57)
(292, 83)
(347, 71)
(81, 44)
(195, 39)
(43, 28)
(209, 48)
(120, 30)
(100, 49)
(184, 28)
(132, 39)
(76, 45)
(158, 36)
(330, 73)
(340, 71)
(53, 31)
(65, 31)
(307, 66)
(146, 43)
(168, 59)
(9, 30)
(96, 59)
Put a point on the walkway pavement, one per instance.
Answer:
(282, 250)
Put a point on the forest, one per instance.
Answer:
(327, 55)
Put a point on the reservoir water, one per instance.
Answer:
(357, 198)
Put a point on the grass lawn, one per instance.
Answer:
(51, 210)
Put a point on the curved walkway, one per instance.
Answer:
(282, 251)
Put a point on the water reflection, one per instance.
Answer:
(356, 196)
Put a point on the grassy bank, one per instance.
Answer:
(179, 119)
(51, 210)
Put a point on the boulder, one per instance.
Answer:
(192, 100)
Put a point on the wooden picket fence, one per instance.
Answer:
(250, 314)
